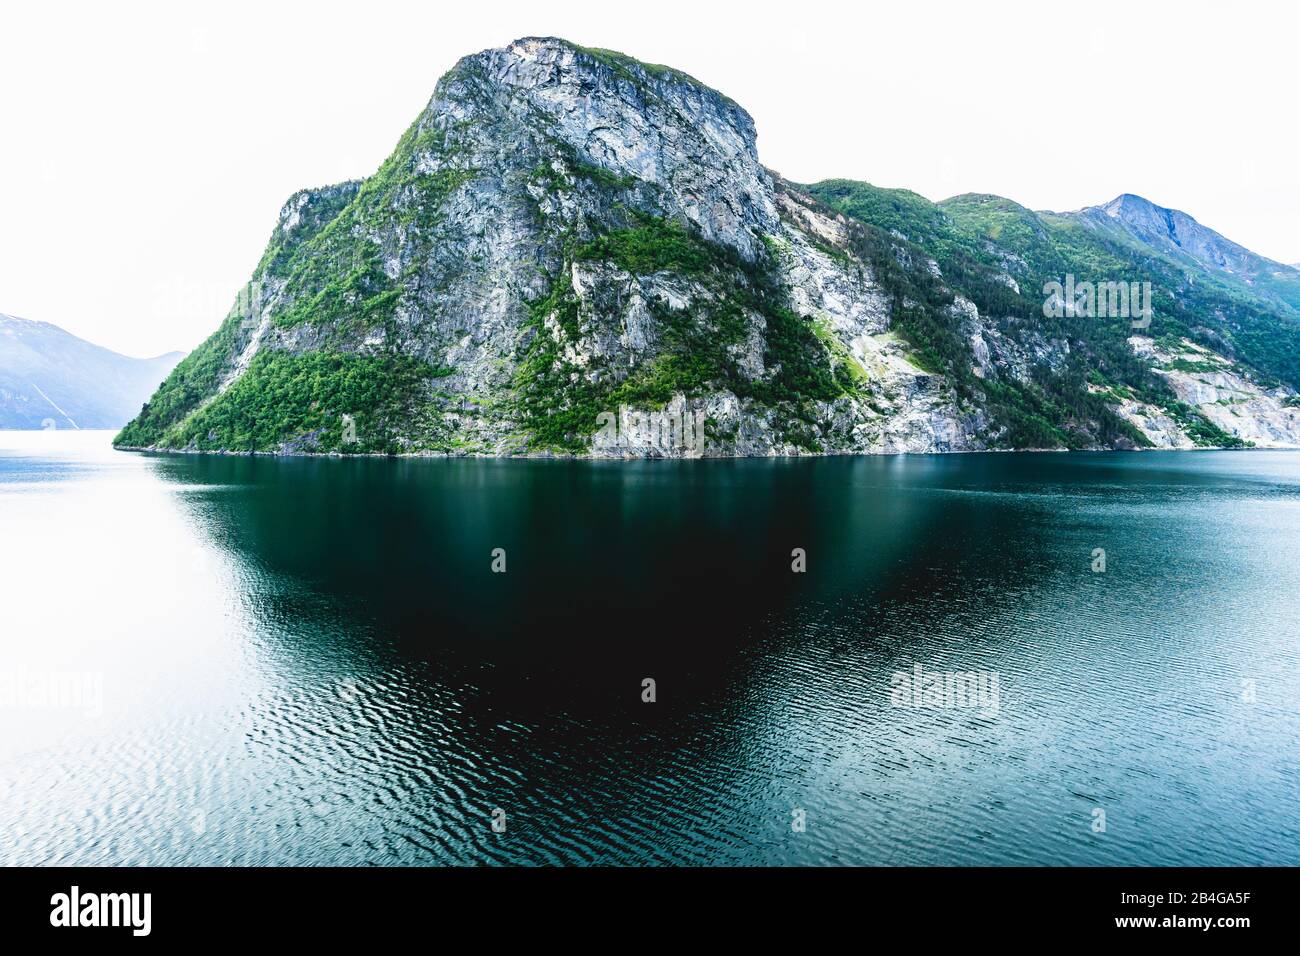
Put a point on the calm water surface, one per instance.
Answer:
(312, 662)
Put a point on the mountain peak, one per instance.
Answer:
(552, 49)
(555, 62)
(1139, 210)
(637, 122)
(19, 320)
(1132, 200)
(1177, 235)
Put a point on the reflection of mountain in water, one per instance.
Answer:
(372, 691)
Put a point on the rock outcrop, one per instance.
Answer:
(572, 252)
(562, 234)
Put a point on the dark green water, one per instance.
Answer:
(312, 661)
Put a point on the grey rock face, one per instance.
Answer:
(586, 255)
(1218, 389)
(522, 156)
(692, 146)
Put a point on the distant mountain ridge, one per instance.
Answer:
(1218, 366)
(50, 378)
(1176, 234)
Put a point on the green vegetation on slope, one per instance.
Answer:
(283, 397)
(1055, 408)
(190, 382)
(560, 403)
(977, 240)
(336, 276)
(1204, 307)
(331, 274)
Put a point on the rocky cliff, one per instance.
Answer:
(572, 252)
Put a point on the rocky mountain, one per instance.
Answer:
(1181, 238)
(573, 252)
(49, 378)
(1160, 376)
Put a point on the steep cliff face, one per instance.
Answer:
(572, 252)
(564, 239)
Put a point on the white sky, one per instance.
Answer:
(145, 149)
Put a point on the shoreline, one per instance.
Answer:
(551, 456)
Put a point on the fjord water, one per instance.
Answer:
(311, 661)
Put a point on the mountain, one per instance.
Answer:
(1217, 365)
(1181, 238)
(573, 252)
(51, 378)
